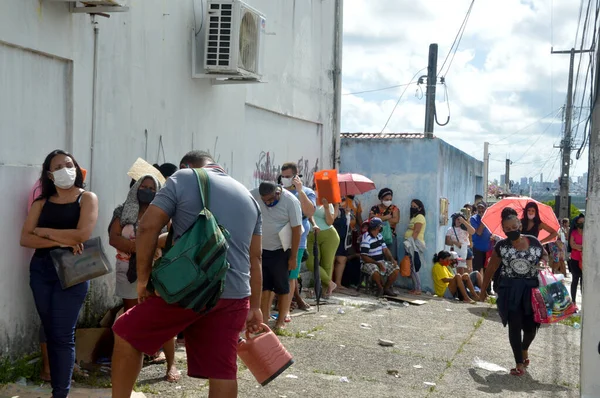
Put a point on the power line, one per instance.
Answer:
(535, 142)
(379, 89)
(456, 41)
(554, 112)
(397, 102)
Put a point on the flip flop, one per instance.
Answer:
(287, 319)
(517, 372)
(526, 362)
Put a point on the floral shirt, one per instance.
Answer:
(389, 211)
(519, 263)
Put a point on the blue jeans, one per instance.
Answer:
(58, 310)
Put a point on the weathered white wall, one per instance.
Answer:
(144, 85)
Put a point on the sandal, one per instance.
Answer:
(287, 319)
(526, 362)
(517, 372)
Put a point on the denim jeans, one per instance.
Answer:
(58, 310)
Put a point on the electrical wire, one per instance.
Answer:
(457, 39)
(196, 32)
(397, 102)
(535, 142)
(447, 101)
(554, 112)
(379, 89)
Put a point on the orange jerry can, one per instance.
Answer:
(328, 186)
(264, 355)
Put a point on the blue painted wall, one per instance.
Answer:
(425, 169)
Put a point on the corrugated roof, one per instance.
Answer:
(377, 136)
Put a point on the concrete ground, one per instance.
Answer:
(433, 356)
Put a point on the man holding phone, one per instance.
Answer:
(291, 181)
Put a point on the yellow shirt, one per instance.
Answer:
(418, 219)
(439, 272)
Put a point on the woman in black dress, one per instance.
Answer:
(533, 225)
(518, 257)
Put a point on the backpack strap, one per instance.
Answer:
(204, 186)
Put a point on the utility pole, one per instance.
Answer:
(430, 95)
(486, 170)
(507, 176)
(566, 144)
(590, 336)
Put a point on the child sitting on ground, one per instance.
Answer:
(448, 285)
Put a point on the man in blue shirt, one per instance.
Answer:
(291, 181)
(481, 238)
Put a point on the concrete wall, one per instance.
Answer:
(145, 94)
(414, 168)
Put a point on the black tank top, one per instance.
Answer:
(534, 231)
(58, 216)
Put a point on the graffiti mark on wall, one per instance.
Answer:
(267, 169)
(228, 167)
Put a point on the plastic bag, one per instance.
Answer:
(552, 303)
(546, 277)
(405, 266)
(386, 232)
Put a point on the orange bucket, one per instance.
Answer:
(264, 355)
(328, 186)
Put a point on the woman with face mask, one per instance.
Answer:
(122, 230)
(414, 242)
(576, 245)
(64, 215)
(387, 212)
(532, 223)
(518, 257)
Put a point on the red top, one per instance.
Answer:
(578, 238)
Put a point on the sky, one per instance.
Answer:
(503, 86)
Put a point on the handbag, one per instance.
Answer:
(552, 303)
(405, 266)
(74, 269)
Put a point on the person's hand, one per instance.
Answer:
(297, 183)
(324, 202)
(395, 263)
(142, 292)
(316, 228)
(381, 266)
(292, 263)
(157, 254)
(254, 320)
(76, 249)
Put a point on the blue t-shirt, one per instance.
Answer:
(305, 223)
(480, 242)
(233, 206)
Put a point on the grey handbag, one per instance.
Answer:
(74, 269)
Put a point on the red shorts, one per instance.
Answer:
(210, 339)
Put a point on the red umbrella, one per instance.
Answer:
(354, 184)
(493, 220)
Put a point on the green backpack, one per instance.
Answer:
(192, 272)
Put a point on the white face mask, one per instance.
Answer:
(531, 216)
(387, 203)
(286, 182)
(65, 178)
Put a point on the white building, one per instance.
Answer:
(113, 89)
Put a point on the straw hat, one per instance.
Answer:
(141, 168)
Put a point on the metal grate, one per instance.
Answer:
(218, 45)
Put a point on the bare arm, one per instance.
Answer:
(151, 224)
(395, 218)
(553, 233)
(308, 208)
(255, 271)
(117, 240)
(490, 270)
(368, 259)
(296, 235)
(87, 221)
(28, 238)
(575, 245)
(388, 255)
(467, 224)
(417, 230)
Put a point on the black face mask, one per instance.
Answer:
(145, 196)
(580, 226)
(413, 212)
(513, 235)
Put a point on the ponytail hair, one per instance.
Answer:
(441, 256)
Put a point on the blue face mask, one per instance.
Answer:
(272, 204)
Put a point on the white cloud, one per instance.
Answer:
(502, 79)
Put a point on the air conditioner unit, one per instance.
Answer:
(233, 39)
